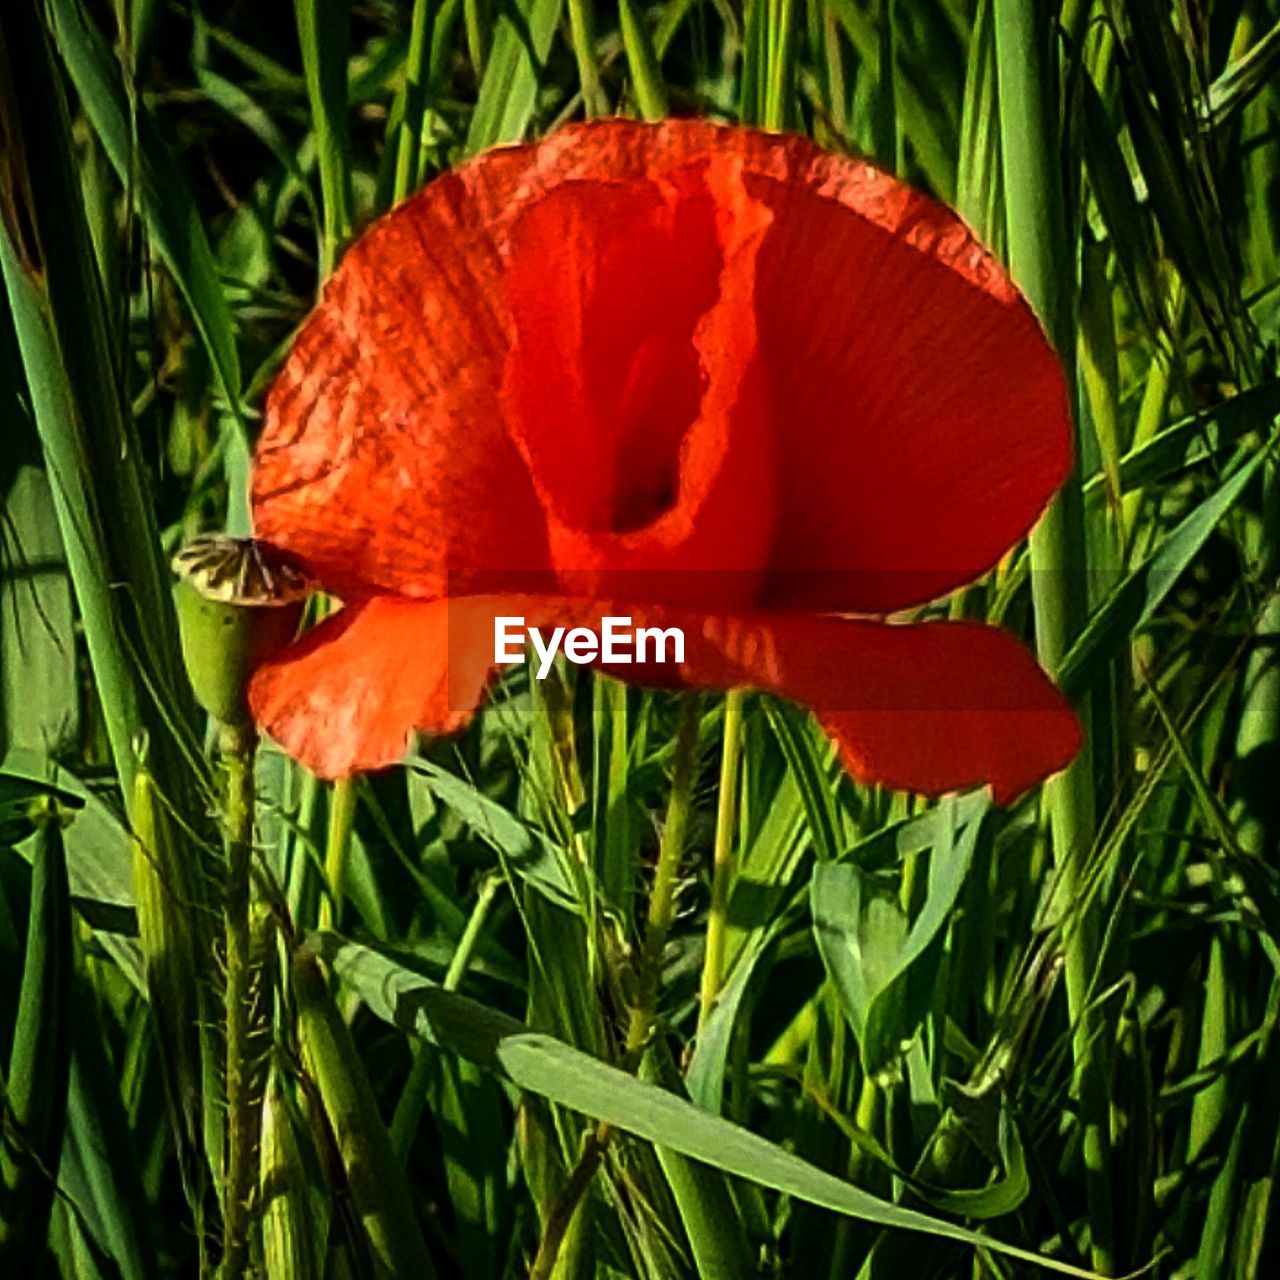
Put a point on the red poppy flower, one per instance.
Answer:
(703, 377)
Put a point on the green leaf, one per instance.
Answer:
(1242, 80)
(98, 857)
(803, 746)
(1197, 439)
(168, 206)
(717, 1235)
(1127, 223)
(324, 34)
(99, 1173)
(375, 1181)
(646, 74)
(39, 691)
(869, 946)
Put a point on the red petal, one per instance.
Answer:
(923, 417)
(347, 698)
(384, 461)
(928, 707)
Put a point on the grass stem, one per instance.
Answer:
(413, 98)
(583, 34)
(1041, 261)
(722, 857)
(404, 1123)
(342, 815)
(666, 878)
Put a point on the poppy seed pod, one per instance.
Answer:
(237, 606)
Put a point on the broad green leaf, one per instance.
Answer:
(717, 1234)
(39, 691)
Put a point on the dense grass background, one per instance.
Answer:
(1055, 1027)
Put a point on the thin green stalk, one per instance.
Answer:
(722, 857)
(33, 1106)
(1043, 264)
(1155, 398)
(477, 42)
(661, 913)
(375, 1182)
(324, 34)
(646, 75)
(237, 750)
(582, 27)
(885, 124)
(404, 1124)
(413, 94)
(779, 85)
(342, 813)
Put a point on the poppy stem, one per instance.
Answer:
(237, 748)
(722, 857)
(661, 912)
(666, 877)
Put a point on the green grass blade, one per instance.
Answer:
(1042, 260)
(323, 33)
(1134, 602)
(374, 1177)
(509, 90)
(582, 33)
(646, 74)
(412, 104)
(100, 1173)
(36, 1085)
(167, 205)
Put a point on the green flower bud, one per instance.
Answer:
(237, 606)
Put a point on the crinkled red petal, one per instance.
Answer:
(761, 354)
